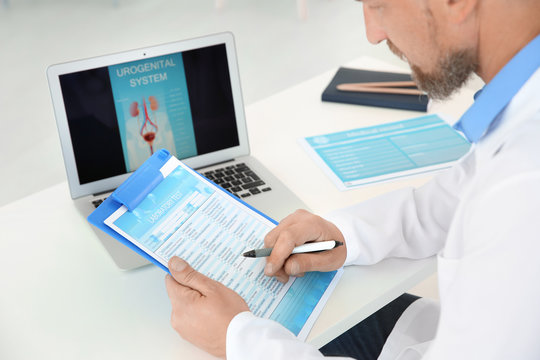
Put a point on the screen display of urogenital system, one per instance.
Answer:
(119, 115)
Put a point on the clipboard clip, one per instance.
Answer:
(142, 181)
(383, 87)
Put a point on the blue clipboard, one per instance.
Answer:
(299, 302)
(131, 193)
(134, 190)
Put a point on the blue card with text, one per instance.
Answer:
(384, 152)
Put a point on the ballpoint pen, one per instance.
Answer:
(305, 248)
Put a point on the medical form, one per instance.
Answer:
(188, 216)
(363, 156)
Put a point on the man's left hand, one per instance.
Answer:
(201, 307)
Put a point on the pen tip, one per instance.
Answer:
(250, 253)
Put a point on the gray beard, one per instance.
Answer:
(451, 73)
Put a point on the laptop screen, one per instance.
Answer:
(118, 115)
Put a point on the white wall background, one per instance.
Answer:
(276, 49)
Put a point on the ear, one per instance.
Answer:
(458, 11)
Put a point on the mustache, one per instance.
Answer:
(394, 49)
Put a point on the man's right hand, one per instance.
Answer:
(297, 229)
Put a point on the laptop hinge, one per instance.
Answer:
(202, 167)
(103, 192)
(214, 164)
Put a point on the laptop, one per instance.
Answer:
(114, 111)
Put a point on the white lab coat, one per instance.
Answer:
(482, 219)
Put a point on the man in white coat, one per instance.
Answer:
(481, 218)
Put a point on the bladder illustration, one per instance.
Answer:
(149, 128)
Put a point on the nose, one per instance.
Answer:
(374, 31)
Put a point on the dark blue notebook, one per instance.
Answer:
(395, 101)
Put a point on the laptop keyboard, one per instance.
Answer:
(98, 202)
(238, 179)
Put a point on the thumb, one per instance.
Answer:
(187, 276)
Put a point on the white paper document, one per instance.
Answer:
(190, 217)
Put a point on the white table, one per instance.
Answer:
(62, 297)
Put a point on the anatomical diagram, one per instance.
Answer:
(149, 127)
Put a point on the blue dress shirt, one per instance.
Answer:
(496, 95)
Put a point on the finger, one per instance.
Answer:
(187, 276)
(271, 237)
(178, 293)
(321, 261)
(287, 240)
(281, 276)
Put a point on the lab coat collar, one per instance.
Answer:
(495, 96)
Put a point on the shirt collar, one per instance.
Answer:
(496, 95)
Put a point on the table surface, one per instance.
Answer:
(63, 297)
